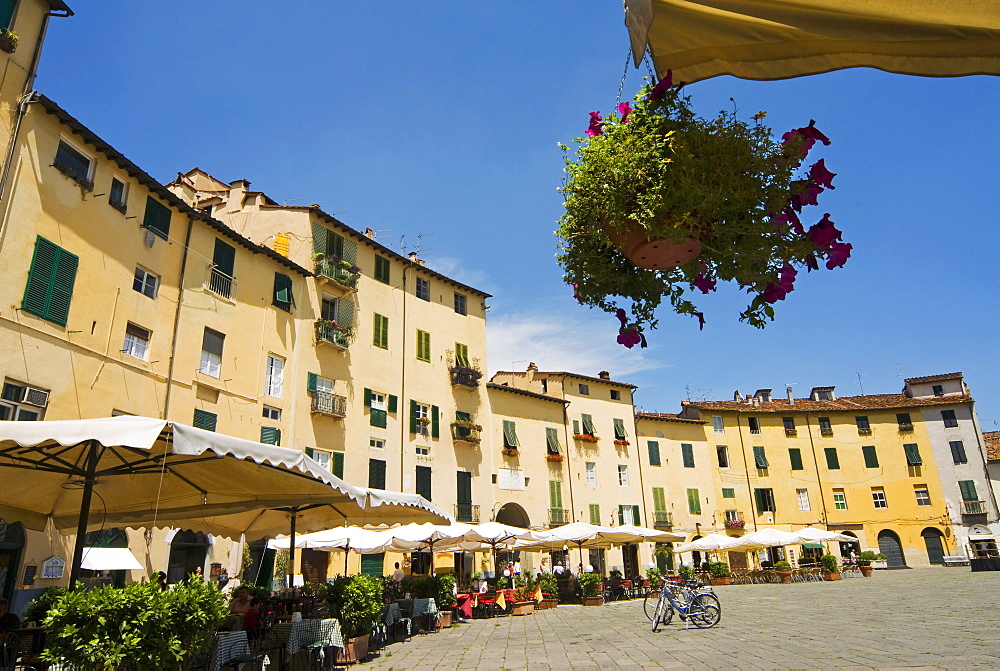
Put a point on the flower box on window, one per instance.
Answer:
(585, 437)
(337, 269)
(622, 442)
(554, 457)
(735, 524)
(74, 175)
(465, 376)
(511, 452)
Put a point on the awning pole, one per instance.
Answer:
(81, 527)
(290, 573)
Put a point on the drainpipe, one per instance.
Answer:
(569, 469)
(812, 448)
(402, 386)
(983, 456)
(746, 469)
(177, 320)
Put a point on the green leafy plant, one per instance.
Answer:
(106, 627)
(589, 584)
(8, 40)
(782, 566)
(719, 569)
(549, 584)
(653, 574)
(830, 564)
(38, 607)
(658, 172)
(355, 601)
(444, 595)
(868, 556)
(687, 573)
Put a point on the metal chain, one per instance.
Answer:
(621, 85)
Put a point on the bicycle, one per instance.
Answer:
(685, 590)
(703, 610)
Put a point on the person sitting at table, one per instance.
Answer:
(161, 581)
(241, 602)
(8, 620)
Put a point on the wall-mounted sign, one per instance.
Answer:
(29, 574)
(53, 568)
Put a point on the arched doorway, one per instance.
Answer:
(11, 546)
(846, 547)
(889, 545)
(934, 542)
(513, 515)
(104, 538)
(188, 551)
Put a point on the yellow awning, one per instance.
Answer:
(778, 39)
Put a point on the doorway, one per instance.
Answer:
(934, 542)
(11, 546)
(104, 538)
(889, 545)
(188, 552)
(630, 561)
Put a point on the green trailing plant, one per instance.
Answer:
(830, 564)
(721, 185)
(107, 628)
(719, 569)
(8, 40)
(782, 566)
(589, 584)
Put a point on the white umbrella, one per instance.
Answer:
(579, 534)
(493, 535)
(709, 543)
(762, 538)
(109, 559)
(626, 534)
(811, 535)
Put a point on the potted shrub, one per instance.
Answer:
(865, 561)
(524, 601)
(784, 570)
(719, 570)
(8, 40)
(831, 567)
(550, 591)
(444, 597)
(356, 602)
(660, 202)
(590, 589)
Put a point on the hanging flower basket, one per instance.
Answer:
(660, 202)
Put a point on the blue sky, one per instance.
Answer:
(436, 123)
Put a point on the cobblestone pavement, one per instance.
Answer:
(938, 618)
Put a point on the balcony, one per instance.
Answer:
(906, 428)
(826, 433)
(558, 517)
(331, 405)
(864, 431)
(337, 271)
(221, 284)
(466, 432)
(791, 433)
(465, 376)
(467, 512)
(736, 523)
(973, 507)
(663, 520)
(330, 333)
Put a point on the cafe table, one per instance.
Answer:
(293, 637)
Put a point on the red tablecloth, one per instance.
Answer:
(465, 605)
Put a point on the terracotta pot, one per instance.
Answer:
(524, 608)
(355, 650)
(444, 621)
(786, 577)
(658, 254)
(831, 576)
(545, 604)
(721, 581)
(866, 571)
(592, 600)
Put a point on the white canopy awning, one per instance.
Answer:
(109, 559)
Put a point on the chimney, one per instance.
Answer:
(736, 396)
(604, 375)
(414, 259)
(764, 395)
(237, 191)
(791, 396)
(533, 367)
(370, 234)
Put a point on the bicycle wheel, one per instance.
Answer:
(704, 611)
(649, 603)
(657, 614)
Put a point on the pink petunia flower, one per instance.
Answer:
(838, 255)
(704, 283)
(596, 124)
(774, 293)
(819, 174)
(629, 337)
(824, 234)
(662, 87)
(624, 109)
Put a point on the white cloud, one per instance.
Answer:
(453, 268)
(578, 343)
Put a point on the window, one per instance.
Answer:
(731, 515)
(904, 422)
(968, 489)
(545, 386)
(136, 341)
(423, 289)
(270, 435)
(616, 395)
(424, 481)
(211, 352)
(595, 513)
(795, 458)
(283, 298)
(839, 499)
(271, 412)
(145, 282)
(380, 334)
(694, 502)
(754, 424)
(462, 355)
(117, 195)
(421, 416)
(654, 452)
(156, 217)
(7, 13)
(759, 458)
(803, 497)
(629, 515)
(376, 443)
(22, 403)
(376, 473)
(949, 419)
(220, 280)
(912, 454)
(591, 473)
(923, 495)
(958, 452)
(423, 346)
(832, 460)
(510, 441)
(382, 273)
(728, 493)
(620, 433)
(73, 163)
(825, 428)
(764, 498)
(204, 420)
(51, 277)
(378, 407)
(717, 424)
(588, 425)
(871, 457)
(585, 390)
(659, 501)
(864, 428)
(323, 457)
(461, 304)
(623, 475)
(555, 500)
(687, 454)
(789, 424)
(937, 390)
(878, 497)
(273, 376)
(552, 441)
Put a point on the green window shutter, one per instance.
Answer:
(311, 453)
(912, 454)
(373, 564)
(588, 425)
(311, 380)
(461, 355)
(552, 440)
(622, 511)
(393, 403)
(424, 481)
(795, 456)
(620, 433)
(758, 456)
(382, 266)
(903, 418)
(345, 313)
(758, 497)
(871, 457)
(335, 244)
(224, 257)
(576, 426)
(687, 452)
(728, 493)
(368, 397)
(595, 513)
(435, 422)
(270, 435)
(423, 346)
(319, 238)
(413, 416)
(380, 333)
(555, 494)
(659, 500)
(205, 420)
(338, 464)
(50, 283)
(283, 298)
(832, 460)
(968, 489)
(463, 488)
(510, 434)
(157, 217)
(654, 452)
(694, 502)
(376, 473)
(636, 520)
(378, 418)
(6, 12)
(462, 416)
(350, 251)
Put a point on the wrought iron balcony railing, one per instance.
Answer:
(327, 334)
(338, 271)
(467, 512)
(663, 519)
(220, 283)
(466, 432)
(329, 404)
(558, 517)
(973, 507)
